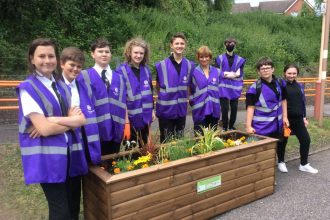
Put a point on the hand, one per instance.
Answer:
(306, 122)
(229, 75)
(250, 130)
(74, 111)
(286, 122)
(33, 132)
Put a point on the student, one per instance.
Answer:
(52, 153)
(297, 115)
(231, 85)
(138, 80)
(266, 107)
(72, 61)
(107, 91)
(204, 91)
(172, 79)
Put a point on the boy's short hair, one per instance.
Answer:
(100, 43)
(203, 51)
(229, 40)
(72, 54)
(264, 61)
(178, 35)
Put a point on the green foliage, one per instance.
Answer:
(208, 140)
(78, 23)
(175, 150)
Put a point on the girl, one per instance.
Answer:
(173, 75)
(297, 116)
(204, 90)
(45, 122)
(139, 89)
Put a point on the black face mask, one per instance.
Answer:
(230, 47)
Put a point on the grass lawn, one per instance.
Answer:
(28, 202)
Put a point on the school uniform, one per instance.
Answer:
(171, 106)
(230, 89)
(204, 98)
(139, 100)
(54, 161)
(268, 113)
(108, 96)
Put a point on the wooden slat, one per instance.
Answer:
(162, 196)
(184, 177)
(218, 195)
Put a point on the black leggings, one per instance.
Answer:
(224, 102)
(171, 128)
(299, 129)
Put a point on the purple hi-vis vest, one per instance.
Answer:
(173, 94)
(109, 104)
(45, 159)
(204, 98)
(139, 95)
(230, 88)
(91, 127)
(268, 110)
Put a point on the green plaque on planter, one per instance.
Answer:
(208, 184)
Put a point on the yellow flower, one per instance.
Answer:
(130, 167)
(166, 161)
(226, 145)
(116, 170)
(145, 165)
(245, 142)
(242, 138)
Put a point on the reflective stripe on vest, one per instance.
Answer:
(26, 151)
(198, 105)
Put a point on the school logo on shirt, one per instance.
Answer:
(116, 92)
(146, 84)
(89, 109)
(184, 79)
(214, 80)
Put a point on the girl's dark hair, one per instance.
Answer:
(264, 61)
(32, 48)
(100, 43)
(291, 65)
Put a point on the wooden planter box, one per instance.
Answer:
(169, 191)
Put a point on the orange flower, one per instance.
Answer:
(116, 170)
(114, 163)
(145, 165)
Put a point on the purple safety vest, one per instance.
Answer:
(204, 98)
(109, 104)
(139, 95)
(45, 159)
(91, 127)
(230, 88)
(268, 111)
(173, 94)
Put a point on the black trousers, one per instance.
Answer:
(170, 128)
(280, 150)
(299, 129)
(63, 198)
(225, 103)
(209, 121)
(109, 147)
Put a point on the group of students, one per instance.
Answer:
(69, 117)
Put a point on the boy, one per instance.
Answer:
(231, 85)
(107, 91)
(173, 74)
(267, 108)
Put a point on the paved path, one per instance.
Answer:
(298, 195)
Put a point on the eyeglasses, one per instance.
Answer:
(265, 68)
